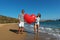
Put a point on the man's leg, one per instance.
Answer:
(22, 26)
(22, 29)
(19, 30)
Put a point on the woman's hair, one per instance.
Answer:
(39, 15)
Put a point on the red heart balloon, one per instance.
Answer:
(29, 18)
(34, 17)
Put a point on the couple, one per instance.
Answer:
(21, 22)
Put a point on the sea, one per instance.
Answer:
(52, 28)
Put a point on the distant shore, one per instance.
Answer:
(5, 19)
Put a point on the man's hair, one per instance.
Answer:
(23, 11)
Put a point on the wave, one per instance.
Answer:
(51, 31)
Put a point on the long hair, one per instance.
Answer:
(39, 15)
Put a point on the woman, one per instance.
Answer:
(37, 23)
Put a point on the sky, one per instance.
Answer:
(49, 9)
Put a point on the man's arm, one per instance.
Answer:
(19, 18)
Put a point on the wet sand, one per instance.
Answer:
(9, 32)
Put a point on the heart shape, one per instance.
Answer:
(29, 18)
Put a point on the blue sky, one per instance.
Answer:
(49, 9)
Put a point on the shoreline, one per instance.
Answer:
(8, 32)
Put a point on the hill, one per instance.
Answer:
(5, 19)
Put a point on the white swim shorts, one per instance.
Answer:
(21, 24)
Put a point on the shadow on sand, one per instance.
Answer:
(16, 31)
(13, 30)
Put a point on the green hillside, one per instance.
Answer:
(5, 19)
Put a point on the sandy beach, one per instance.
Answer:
(9, 32)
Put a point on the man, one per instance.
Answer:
(21, 22)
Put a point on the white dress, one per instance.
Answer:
(38, 20)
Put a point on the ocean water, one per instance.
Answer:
(52, 28)
(55, 24)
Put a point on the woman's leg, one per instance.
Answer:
(34, 27)
(37, 27)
